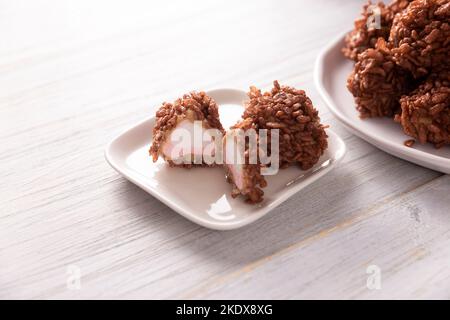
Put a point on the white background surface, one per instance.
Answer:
(73, 74)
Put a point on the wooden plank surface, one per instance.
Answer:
(75, 73)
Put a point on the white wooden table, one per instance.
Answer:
(73, 74)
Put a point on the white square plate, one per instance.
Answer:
(331, 73)
(202, 195)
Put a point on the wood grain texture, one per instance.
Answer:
(75, 73)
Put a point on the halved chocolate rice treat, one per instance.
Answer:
(420, 36)
(302, 138)
(193, 112)
(377, 83)
(242, 173)
(366, 33)
(426, 111)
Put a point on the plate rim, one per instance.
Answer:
(222, 225)
(420, 157)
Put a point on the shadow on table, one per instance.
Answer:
(310, 212)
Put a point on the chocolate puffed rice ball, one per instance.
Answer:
(182, 114)
(420, 36)
(366, 31)
(377, 83)
(302, 137)
(244, 176)
(426, 111)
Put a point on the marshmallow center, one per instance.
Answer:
(187, 141)
(234, 159)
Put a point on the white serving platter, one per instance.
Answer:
(202, 195)
(331, 73)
